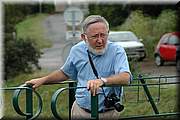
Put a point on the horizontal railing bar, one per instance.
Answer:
(14, 88)
(157, 77)
(63, 82)
(150, 116)
(72, 81)
(154, 77)
(154, 84)
(132, 85)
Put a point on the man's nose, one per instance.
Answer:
(99, 39)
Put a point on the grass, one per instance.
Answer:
(32, 27)
(137, 104)
(167, 103)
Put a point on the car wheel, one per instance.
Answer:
(178, 65)
(158, 60)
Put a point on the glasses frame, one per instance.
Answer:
(96, 36)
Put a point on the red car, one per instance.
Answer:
(166, 48)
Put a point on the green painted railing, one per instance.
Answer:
(29, 102)
(94, 99)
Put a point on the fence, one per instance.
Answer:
(28, 114)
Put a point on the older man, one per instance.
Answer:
(110, 62)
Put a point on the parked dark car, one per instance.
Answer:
(167, 48)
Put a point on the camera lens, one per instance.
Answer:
(118, 106)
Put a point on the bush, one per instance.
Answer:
(20, 56)
(140, 24)
(166, 22)
(149, 44)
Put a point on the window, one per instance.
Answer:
(174, 40)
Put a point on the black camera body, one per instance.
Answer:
(113, 101)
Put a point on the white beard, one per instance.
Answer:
(94, 51)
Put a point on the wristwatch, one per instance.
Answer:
(104, 80)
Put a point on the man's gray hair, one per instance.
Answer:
(93, 19)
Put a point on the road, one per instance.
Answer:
(148, 67)
(52, 58)
(55, 28)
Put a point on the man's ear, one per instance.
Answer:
(83, 37)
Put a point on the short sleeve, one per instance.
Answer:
(121, 62)
(69, 68)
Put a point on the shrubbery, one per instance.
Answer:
(20, 56)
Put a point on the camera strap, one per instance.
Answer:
(92, 65)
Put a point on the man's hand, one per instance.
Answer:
(35, 82)
(94, 85)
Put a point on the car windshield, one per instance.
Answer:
(174, 40)
(122, 37)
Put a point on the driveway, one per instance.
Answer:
(55, 28)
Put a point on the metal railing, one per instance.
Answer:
(94, 99)
(29, 101)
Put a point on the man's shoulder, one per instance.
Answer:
(79, 44)
(79, 47)
(115, 46)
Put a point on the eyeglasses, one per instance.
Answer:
(101, 35)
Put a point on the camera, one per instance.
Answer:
(113, 101)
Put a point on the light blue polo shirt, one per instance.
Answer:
(77, 67)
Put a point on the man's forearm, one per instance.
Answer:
(56, 76)
(121, 79)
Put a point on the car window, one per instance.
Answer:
(122, 37)
(164, 38)
(173, 40)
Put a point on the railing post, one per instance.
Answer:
(29, 102)
(71, 97)
(148, 94)
(138, 95)
(94, 107)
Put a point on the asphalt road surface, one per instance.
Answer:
(149, 67)
(55, 28)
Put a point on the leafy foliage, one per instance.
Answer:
(110, 12)
(166, 22)
(21, 56)
(138, 23)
